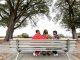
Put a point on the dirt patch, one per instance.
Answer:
(77, 54)
(2, 41)
(3, 56)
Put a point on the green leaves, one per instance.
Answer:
(20, 10)
(3, 21)
(70, 10)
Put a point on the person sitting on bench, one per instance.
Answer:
(37, 36)
(55, 37)
(45, 36)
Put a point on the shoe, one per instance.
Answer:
(44, 53)
(48, 54)
(34, 54)
(55, 54)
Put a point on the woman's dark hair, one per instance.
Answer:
(45, 32)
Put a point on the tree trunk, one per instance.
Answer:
(9, 34)
(74, 35)
(10, 30)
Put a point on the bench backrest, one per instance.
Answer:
(42, 45)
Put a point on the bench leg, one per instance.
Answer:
(68, 56)
(17, 57)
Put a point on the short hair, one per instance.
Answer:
(37, 31)
(55, 31)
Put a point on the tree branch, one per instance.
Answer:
(20, 23)
(24, 9)
(10, 5)
(4, 11)
(13, 3)
(73, 2)
(67, 2)
(17, 5)
(1, 16)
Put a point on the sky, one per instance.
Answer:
(42, 24)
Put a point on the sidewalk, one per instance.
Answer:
(41, 57)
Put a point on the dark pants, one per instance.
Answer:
(46, 52)
(55, 52)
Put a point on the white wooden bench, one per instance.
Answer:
(23, 46)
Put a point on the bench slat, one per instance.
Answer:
(42, 45)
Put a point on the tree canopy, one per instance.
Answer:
(21, 9)
(16, 13)
(69, 10)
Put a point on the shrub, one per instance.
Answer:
(23, 35)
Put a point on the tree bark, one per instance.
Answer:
(9, 34)
(74, 35)
(10, 29)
